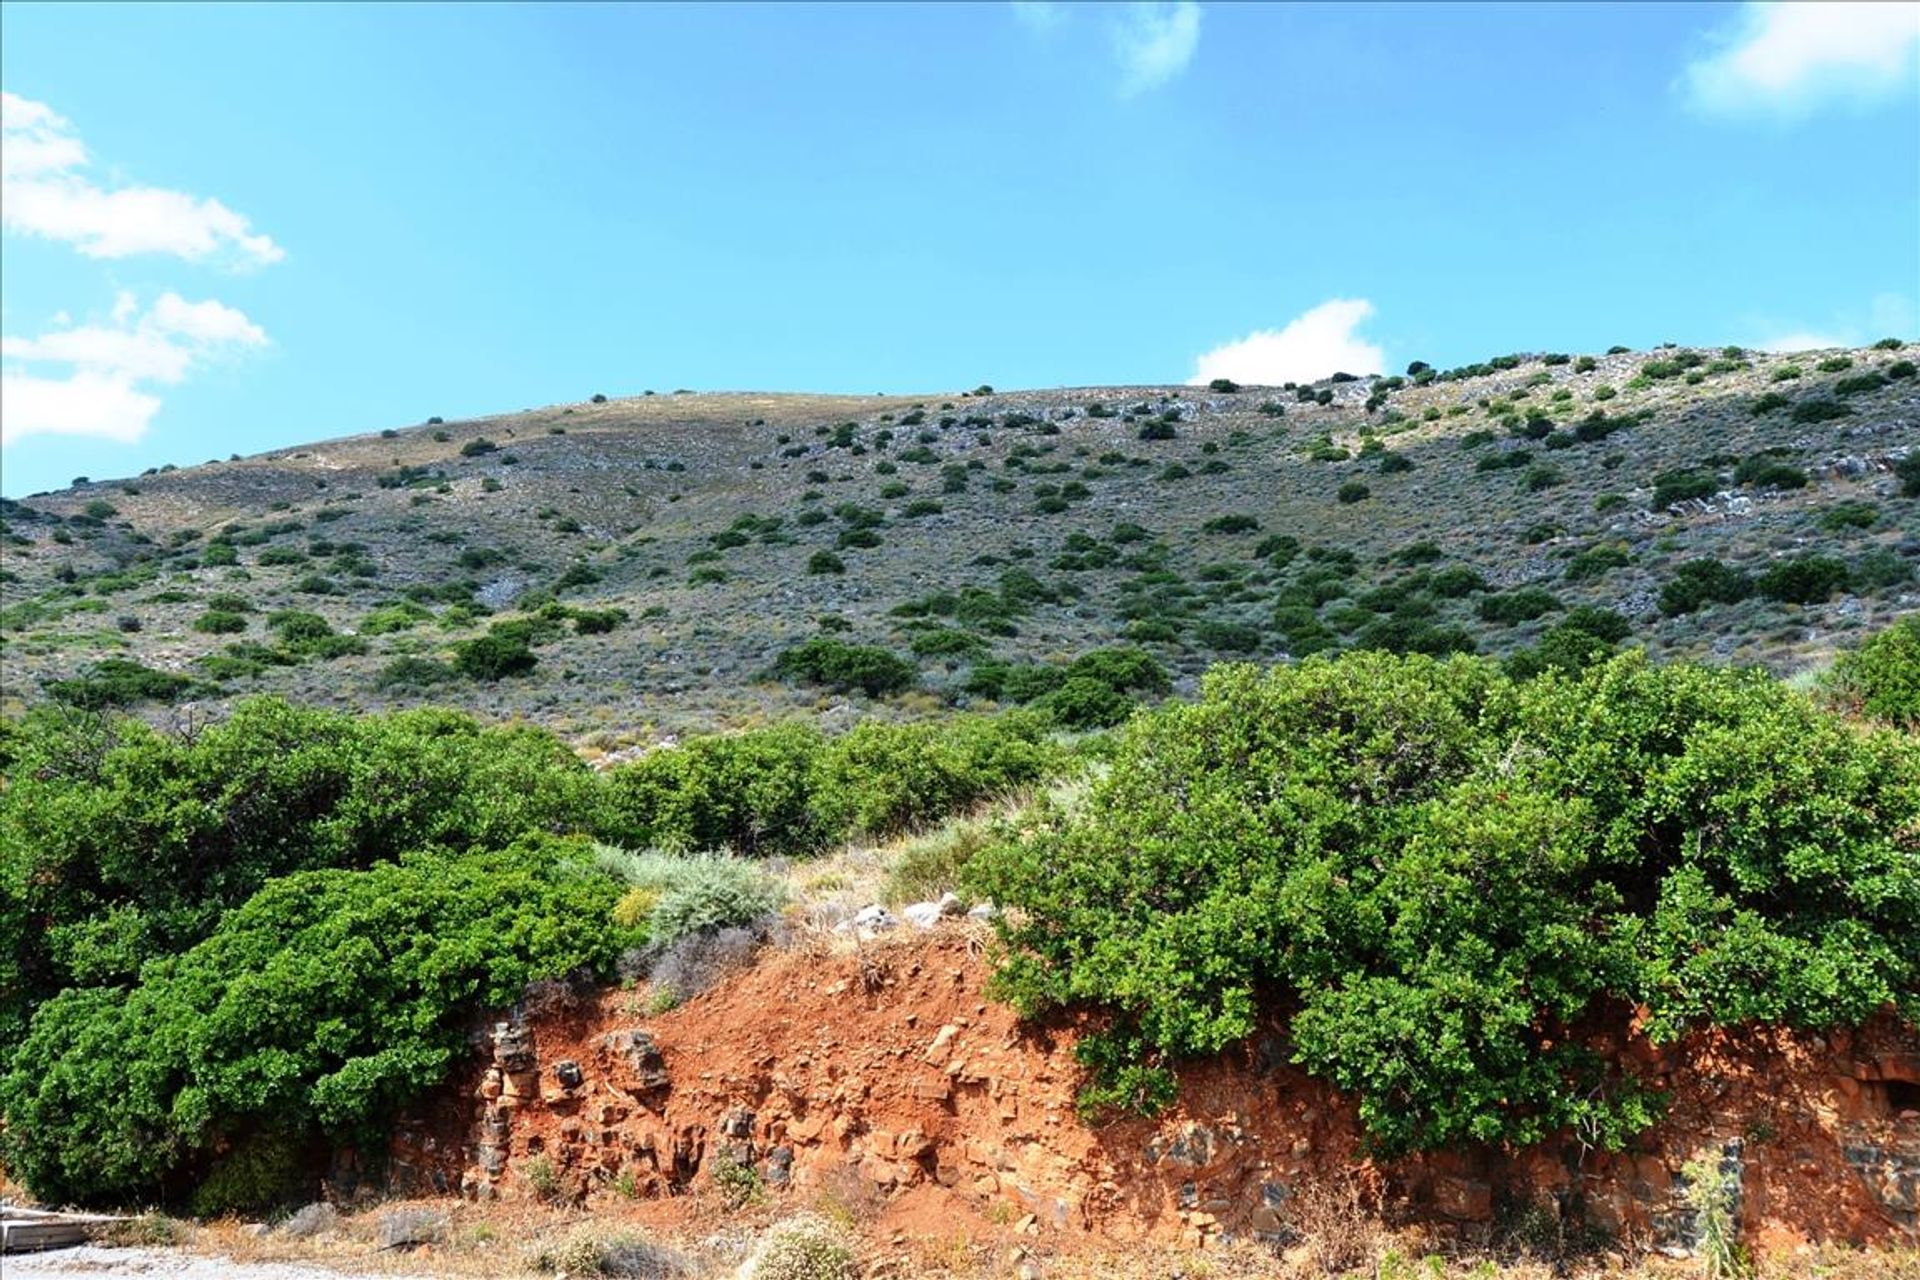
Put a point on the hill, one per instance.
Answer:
(655, 555)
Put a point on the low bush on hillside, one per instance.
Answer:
(1803, 579)
(1098, 689)
(1881, 678)
(1696, 583)
(838, 665)
(493, 656)
(119, 682)
(1442, 875)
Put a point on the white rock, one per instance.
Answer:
(922, 915)
(873, 919)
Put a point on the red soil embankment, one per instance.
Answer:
(890, 1070)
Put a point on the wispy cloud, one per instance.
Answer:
(46, 191)
(90, 380)
(1787, 59)
(1150, 41)
(1314, 345)
(1887, 315)
(1153, 43)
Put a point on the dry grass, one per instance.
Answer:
(713, 1238)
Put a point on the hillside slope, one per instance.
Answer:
(1474, 507)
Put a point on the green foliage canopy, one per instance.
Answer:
(1445, 876)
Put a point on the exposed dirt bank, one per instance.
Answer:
(887, 1074)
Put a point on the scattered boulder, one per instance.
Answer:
(411, 1228)
(870, 920)
(316, 1219)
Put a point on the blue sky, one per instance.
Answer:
(232, 228)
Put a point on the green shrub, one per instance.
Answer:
(1803, 579)
(1769, 473)
(1851, 514)
(312, 1014)
(1881, 678)
(493, 656)
(414, 673)
(1524, 605)
(749, 792)
(1701, 582)
(594, 622)
(1682, 484)
(825, 562)
(219, 622)
(1597, 562)
(1440, 875)
(1585, 637)
(1353, 491)
(118, 682)
(390, 618)
(885, 779)
(836, 664)
(1859, 383)
(1908, 470)
(1810, 411)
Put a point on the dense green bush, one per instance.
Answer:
(1700, 582)
(787, 790)
(119, 682)
(493, 656)
(1524, 605)
(1441, 875)
(119, 844)
(1908, 469)
(312, 1013)
(1681, 485)
(883, 779)
(839, 665)
(1803, 579)
(220, 622)
(749, 792)
(1881, 679)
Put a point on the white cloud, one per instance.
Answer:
(98, 391)
(45, 192)
(84, 404)
(1788, 58)
(1315, 345)
(1887, 315)
(1154, 42)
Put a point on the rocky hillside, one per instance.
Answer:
(653, 557)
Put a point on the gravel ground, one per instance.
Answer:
(157, 1264)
